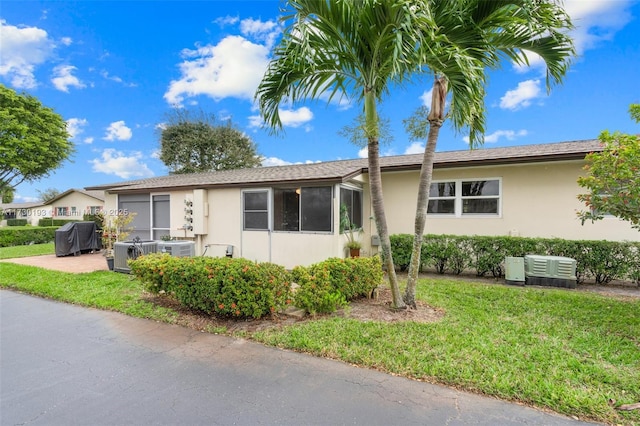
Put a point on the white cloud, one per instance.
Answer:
(155, 154)
(595, 21)
(88, 140)
(226, 20)
(232, 68)
(295, 118)
(266, 31)
(274, 161)
(67, 41)
(507, 134)
(116, 163)
(255, 121)
(160, 126)
(363, 153)
(23, 49)
(521, 96)
(75, 126)
(118, 130)
(415, 148)
(63, 79)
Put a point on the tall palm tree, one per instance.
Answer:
(354, 48)
(473, 36)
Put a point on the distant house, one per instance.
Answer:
(290, 214)
(32, 212)
(71, 205)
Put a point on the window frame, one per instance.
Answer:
(268, 210)
(301, 221)
(158, 231)
(353, 190)
(459, 199)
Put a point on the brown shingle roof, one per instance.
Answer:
(340, 171)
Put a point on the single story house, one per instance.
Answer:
(31, 211)
(73, 204)
(289, 215)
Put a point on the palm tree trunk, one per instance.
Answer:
(436, 118)
(426, 175)
(377, 201)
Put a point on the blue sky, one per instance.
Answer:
(113, 70)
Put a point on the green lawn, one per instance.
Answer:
(564, 350)
(28, 250)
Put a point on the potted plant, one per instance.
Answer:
(114, 228)
(349, 230)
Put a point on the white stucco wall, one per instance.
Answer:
(538, 200)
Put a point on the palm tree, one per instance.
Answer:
(346, 48)
(472, 36)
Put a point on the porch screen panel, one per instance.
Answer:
(316, 209)
(352, 200)
(141, 205)
(161, 216)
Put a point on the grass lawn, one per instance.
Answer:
(27, 250)
(567, 351)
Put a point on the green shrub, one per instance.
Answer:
(48, 221)
(17, 236)
(328, 285)
(314, 293)
(17, 222)
(223, 286)
(603, 261)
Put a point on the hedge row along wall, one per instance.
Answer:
(600, 261)
(14, 236)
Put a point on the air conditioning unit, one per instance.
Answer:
(514, 270)
(125, 250)
(554, 271)
(177, 248)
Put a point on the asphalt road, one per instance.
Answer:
(66, 365)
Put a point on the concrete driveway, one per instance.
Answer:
(67, 365)
(87, 262)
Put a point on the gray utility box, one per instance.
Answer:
(177, 248)
(554, 271)
(514, 270)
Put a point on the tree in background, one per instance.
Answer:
(468, 38)
(7, 193)
(48, 194)
(33, 139)
(613, 177)
(191, 144)
(353, 49)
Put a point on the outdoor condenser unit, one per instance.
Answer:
(554, 271)
(125, 250)
(177, 248)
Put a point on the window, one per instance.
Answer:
(442, 198)
(161, 222)
(94, 209)
(61, 211)
(465, 198)
(255, 206)
(74, 211)
(351, 201)
(306, 209)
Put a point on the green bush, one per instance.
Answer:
(223, 286)
(17, 236)
(328, 285)
(17, 222)
(48, 221)
(602, 261)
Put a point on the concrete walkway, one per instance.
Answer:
(67, 365)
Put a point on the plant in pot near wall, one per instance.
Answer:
(350, 230)
(114, 228)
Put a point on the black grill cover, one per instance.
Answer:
(76, 237)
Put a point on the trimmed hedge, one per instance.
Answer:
(601, 261)
(11, 236)
(17, 222)
(331, 284)
(48, 221)
(224, 286)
